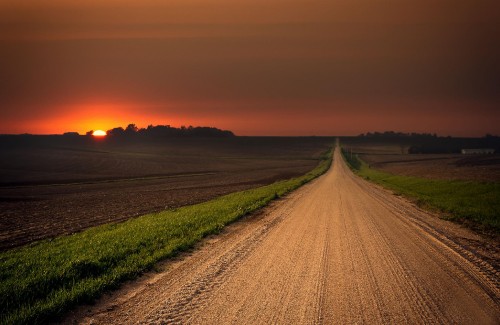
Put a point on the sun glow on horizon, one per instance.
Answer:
(99, 133)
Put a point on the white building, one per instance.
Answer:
(479, 151)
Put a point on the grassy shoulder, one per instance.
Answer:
(476, 204)
(41, 281)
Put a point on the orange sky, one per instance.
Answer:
(258, 67)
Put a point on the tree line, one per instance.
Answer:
(166, 131)
(425, 142)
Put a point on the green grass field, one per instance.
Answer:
(476, 204)
(41, 281)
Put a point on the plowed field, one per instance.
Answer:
(51, 189)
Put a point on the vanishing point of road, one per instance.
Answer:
(337, 251)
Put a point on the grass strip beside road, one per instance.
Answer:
(476, 204)
(41, 281)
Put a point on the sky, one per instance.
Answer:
(256, 67)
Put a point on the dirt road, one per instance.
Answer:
(338, 250)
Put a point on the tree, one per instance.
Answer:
(131, 129)
(116, 131)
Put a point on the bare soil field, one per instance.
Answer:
(438, 166)
(393, 158)
(49, 189)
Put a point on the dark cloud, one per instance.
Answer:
(239, 61)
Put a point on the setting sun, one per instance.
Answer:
(99, 133)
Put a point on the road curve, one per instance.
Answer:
(337, 251)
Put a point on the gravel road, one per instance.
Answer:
(337, 251)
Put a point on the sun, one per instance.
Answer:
(99, 133)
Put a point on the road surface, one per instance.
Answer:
(337, 251)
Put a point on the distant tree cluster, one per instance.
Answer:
(160, 131)
(426, 142)
(71, 134)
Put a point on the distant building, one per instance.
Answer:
(480, 151)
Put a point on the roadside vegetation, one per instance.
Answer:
(476, 204)
(41, 281)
